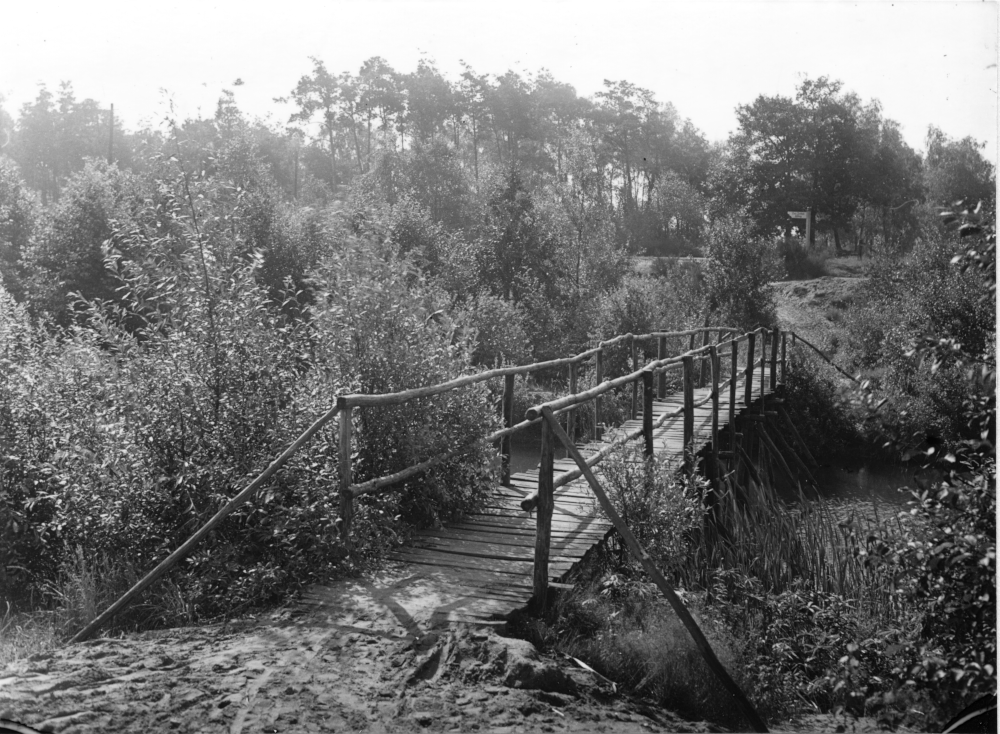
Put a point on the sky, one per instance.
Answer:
(926, 62)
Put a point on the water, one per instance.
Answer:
(866, 482)
(871, 481)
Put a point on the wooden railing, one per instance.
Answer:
(347, 404)
(698, 364)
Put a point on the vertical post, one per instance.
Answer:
(751, 337)
(784, 371)
(647, 410)
(734, 370)
(691, 343)
(809, 227)
(688, 413)
(705, 339)
(344, 461)
(714, 363)
(661, 353)
(599, 377)
(507, 410)
(570, 414)
(775, 337)
(543, 520)
(635, 385)
(763, 359)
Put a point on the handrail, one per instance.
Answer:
(796, 337)
(345, 405)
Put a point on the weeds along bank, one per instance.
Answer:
(851, 608)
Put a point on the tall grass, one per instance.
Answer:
(781, 589)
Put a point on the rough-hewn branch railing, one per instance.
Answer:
(392, 482)
(652, 376)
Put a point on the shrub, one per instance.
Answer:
(740, 269)
(374, 329)
(799, 263)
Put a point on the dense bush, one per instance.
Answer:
(740, 269)
(375, 329)
(903, 300)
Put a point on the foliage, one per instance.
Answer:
(377, 331)
(823, 149)
(923, 334)
(68, 257)
(660, 510)
(800, 264)
(18, 219)
(740, 269)
(501, 336)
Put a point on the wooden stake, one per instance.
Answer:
(344, 461)
(733, 371)
(599, 378)
(507, 410)
(688, 414)
(543, 507)
(751, 337)
(775, 336)
(647, 411)
(661, 353)
(639, 553)
(635, 385)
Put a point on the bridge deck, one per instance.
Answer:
(480, 569)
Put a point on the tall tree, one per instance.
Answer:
(956, 169)
(320, 93)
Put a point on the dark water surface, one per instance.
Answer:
(873, 481)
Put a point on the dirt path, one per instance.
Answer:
(351, 666)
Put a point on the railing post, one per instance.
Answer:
(751, 338)
(507, 410)
(543, 518)
(344, 461)
(661, 353)
(734, 370)
(705, 339)
(647, 410)
(688, 413)
(763, 359)
(714, 352)
(635, 385)
(775, 336)
(598, 379)
(784, 342)
(570, 414)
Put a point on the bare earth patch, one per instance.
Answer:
(354, 665)
(815, 308)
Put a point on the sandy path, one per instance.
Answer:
(353, 665)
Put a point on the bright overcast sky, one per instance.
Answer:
(927, 62)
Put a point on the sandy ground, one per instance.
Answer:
(349, 665)
(815, 308)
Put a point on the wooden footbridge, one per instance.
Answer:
(537, 525)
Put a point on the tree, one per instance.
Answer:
(518, 252)
(956, 170)
(17, 223)
(320, 93)
(810, 151)
(739, 274)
